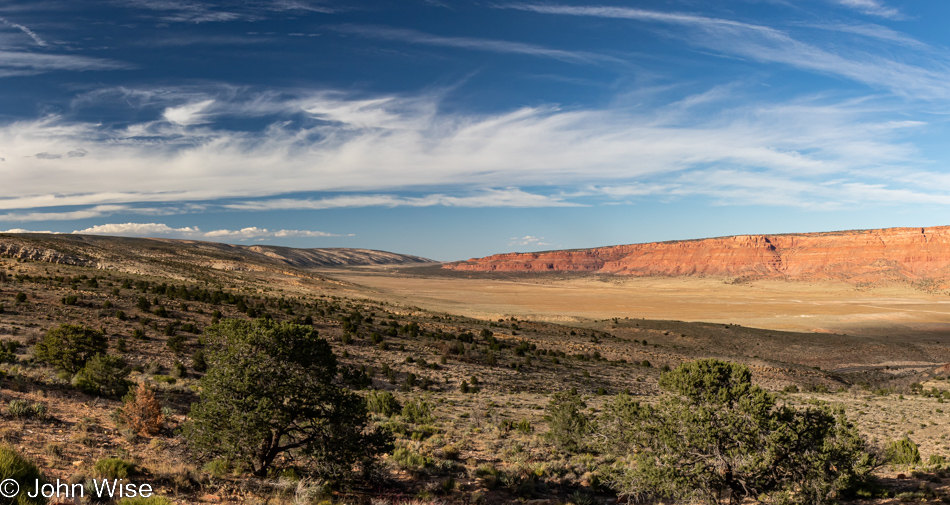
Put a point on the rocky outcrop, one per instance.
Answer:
(35, 253)
(861, 255)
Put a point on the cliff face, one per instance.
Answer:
(864, 255)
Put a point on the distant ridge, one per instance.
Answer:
(906, 254)
(144, 254)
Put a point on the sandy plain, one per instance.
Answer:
(833, 307)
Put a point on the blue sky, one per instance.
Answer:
(460, 128)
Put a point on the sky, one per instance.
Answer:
(453, 129)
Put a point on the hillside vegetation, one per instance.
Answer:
(469, 410)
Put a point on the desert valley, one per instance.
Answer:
(462, 363)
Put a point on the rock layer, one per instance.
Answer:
(860, 256)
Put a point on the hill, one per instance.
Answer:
(903, 254)
(185, 258)
(480, 384)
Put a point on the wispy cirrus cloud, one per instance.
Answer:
(508, 197)
(872, 31)
(14, 63)
(36, 38)
(475, 44)
(86, 213)
(161, 229)
(204, 11)
(766, 44)
(188, 114)
(871, 7)
(401, 151)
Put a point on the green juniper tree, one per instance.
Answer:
(568, 426)
(716, 437)
(273, 389)
(68, 347)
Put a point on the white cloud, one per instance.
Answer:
(188, 114)
(766, 44)
(254, 232)
(872, 7)
(137, 229)
(873, 31)
(371, 151)
(193, 232)
(508, 197)
(527, 240)
(28, 63)
(21, 230)
(477, 44)
(36, 38)
(92, 212)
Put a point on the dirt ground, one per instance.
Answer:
(777, 305)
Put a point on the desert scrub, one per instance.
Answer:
(417, 412)
(23, 409)
(141, 412)
(151, 500)
(902, 452)
(217, 467)
(410, 460)
(104, 375)
(16, 467)
(114, 468)
(382, 402)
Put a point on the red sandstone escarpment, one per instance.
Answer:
(861, 255)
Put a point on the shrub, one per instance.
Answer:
(114, 468)
(16, 467)
(103, 375)
(20, 298)
(178, 370)
(417, 411)
(902, 452)
(410, 460)
(176, 342)
(273, 390)
(141, 500)
(69, 347)
(23, 409)
(382, 402)
(8, 353)
(716, 436)
(141, 412)
(18, 408)
(217, 467)
(567, 425)
(450, 452)
(524, 426)
(198, 362)
(143, 304)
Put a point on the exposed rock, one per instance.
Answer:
(862, 255)
(34, 253)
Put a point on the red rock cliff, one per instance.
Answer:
(862, 255)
